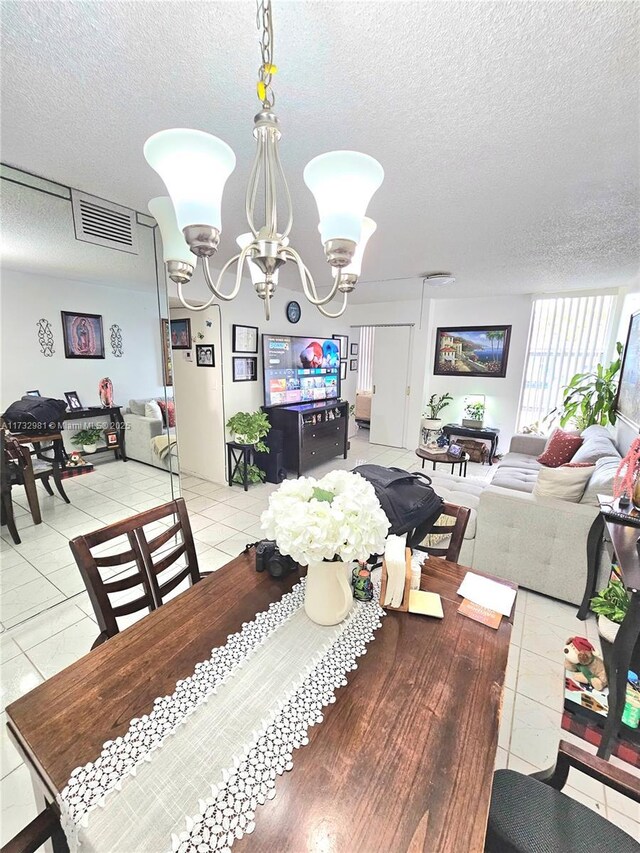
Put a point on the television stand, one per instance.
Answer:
(313, 432)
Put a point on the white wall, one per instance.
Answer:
(502, 395)
(27, 297)
(198, 396)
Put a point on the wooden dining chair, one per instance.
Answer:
(147, 561)
(8, 479)
(442, 531)
(36, 458)
(43, 827)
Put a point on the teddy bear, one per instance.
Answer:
(581, 661)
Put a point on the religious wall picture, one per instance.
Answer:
(628, 399)
(167, 365)
(472, 351)
(245, 338)
(181, 334)
(245, 369)
(205, 355)
(82, 335)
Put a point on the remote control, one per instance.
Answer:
(622, 517)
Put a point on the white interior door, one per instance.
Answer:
(390, 382)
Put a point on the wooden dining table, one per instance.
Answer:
(402, 762)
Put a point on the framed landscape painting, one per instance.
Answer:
(82, 335)
(628, 399)
(472, 351)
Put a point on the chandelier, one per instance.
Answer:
(195, 167)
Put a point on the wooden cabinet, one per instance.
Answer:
(313, 433)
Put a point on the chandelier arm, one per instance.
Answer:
(227, 297)
(193, 307)
(330, 314)
(308, 284)
(271, 203)
(267, 304)
(252, 187)
(287, 194)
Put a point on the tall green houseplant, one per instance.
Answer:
(590, 397)
(250, 428)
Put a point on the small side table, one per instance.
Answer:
(445, 458)
(239, 457)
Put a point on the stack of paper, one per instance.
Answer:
(487, 593)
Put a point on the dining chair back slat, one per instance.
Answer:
(456, 533)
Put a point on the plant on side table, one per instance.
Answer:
(324, 524)
(611, 605)
(475, 415)
(590, 398)
(430, 422)
(87, 439)
(250, 428)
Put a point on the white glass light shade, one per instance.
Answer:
(194, 167)
(256, 273)
(343, 183)
(355, 267)
(174, 246)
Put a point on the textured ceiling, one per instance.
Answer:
(509, 132)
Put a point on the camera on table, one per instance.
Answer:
(269, 557)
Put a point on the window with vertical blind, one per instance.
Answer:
(365, 359)
(569, 335)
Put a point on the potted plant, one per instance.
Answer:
(611, 604)
(475, 415)
(430, 421)
(324, 524)
(250, 428)
(87, 439)
(590, 398)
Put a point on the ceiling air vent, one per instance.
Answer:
(104, 223)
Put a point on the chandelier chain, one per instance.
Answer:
(267, 69)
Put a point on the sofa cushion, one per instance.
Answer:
(137, 407)
(168, 410)
(597, 444)
(152, 410)
(560, 448)
(566, 483)
(520, 479)
(601, 480)
(461, 492)
(519, 460)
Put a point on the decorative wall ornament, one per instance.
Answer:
(117, 347)
(45, 338)
(105, 392)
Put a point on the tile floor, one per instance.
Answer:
(223, 521)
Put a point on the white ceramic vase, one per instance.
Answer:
(607, 629)
(428, 428)
(328, 597)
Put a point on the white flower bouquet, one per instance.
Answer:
(337, 517)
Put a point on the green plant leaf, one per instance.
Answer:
(323, 495)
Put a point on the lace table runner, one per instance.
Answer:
(190, 775)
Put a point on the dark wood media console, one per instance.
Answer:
(307, 444)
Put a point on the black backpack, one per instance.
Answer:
(408, 500)
(35, 415)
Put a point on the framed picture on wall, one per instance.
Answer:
(343, 370)
(628, 398)
(245, 338)
(205, 355)
(245, 369)
(167, 366)
(34, 393)
(181, 334)
(354, 349)
(344, 344)
(353, 364)
(472, 351)
(82, 335)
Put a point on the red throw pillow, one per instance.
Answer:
(168, 411)
(560, 448)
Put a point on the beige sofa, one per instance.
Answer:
(540, 543)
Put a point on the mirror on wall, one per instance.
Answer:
(87, 324)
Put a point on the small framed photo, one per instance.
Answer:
(73, 401)
(455, 450)
(180, 334)
(245, 338)
(245, 369)
(344, 344)
(34, 393)
(354, 349)
(205, 355)
(353, 364)
(111, 437)
(82, 335)
(343, 370)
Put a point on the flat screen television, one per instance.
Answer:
(300, 370)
